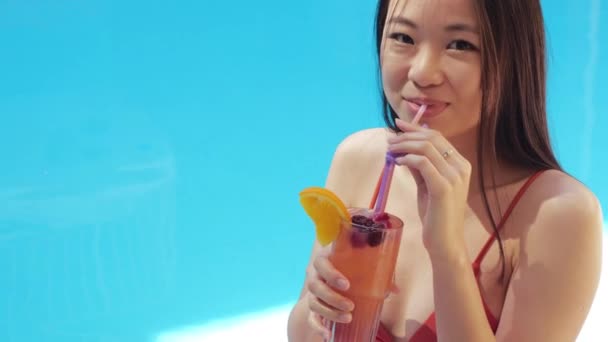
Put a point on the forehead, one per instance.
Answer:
(434, 10)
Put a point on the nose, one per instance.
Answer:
(425, 70)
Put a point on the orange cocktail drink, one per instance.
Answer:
(365, 251)
(364, 248)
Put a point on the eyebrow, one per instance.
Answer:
(450, 28)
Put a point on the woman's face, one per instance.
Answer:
(430, 55)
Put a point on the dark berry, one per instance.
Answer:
(358, 239)
(362, 221)
(359, 219)
(378, 225)
(374, 238)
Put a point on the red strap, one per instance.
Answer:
(426, 332)
(504, 218)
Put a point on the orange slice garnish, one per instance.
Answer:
(326, 210)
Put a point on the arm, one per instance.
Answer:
(554, 284)
(551, 288)
(459, 311)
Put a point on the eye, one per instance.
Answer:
(462, 45)
(402, 38)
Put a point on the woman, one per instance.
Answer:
(483, 174)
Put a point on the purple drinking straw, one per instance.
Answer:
(387, 174)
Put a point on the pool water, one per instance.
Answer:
(152, 155)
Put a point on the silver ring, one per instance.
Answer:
(447, 153)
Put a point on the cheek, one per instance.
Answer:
(467, 84)
(394, 78)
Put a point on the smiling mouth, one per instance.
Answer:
(433, 107)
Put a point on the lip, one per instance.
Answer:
(434, 107)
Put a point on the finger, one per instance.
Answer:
(418, 178)
(407, 136)
(330, 297)
(443, 146)
(395, 289)
(413, 132)
(436, 184)
(326, 271)
(427, 149)
(316, 323)
(408, 127)
(317, 306)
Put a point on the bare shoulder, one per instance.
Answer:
(563, 208)
(559, 196)
(558, 264)
(355, 159)
(363, 144)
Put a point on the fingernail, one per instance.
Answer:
(424, 125)
(346, 318)
(350, 306)
(342, 284)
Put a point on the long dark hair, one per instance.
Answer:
(513, 125)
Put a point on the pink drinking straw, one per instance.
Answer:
(387, 173)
